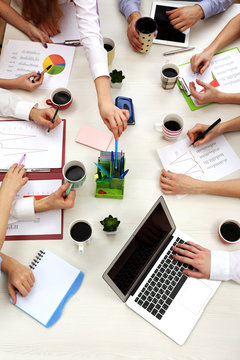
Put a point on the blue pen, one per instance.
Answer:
(112, 159)
(116, 153)
(124, 174)
(121, 164)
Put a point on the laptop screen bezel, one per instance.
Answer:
(154, 257)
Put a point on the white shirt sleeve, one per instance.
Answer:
(22, 209)
(225, 265)
(90, 37)
(12, 105)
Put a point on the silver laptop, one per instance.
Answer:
(146, 277)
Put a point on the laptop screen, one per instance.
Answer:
(141, 249)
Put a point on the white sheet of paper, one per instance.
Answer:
(68, 25)
(210, 162)
(48, 222)
(22, 57)
(43, 149)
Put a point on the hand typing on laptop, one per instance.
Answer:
(195, 255)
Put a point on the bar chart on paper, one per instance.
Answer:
(43, 150)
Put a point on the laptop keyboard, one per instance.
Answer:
(164, 284)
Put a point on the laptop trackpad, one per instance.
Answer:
(195, 295)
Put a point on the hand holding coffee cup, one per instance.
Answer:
(109, 46)
(74, 172)
(171, 127)
(169, 75)
(61, 98)
(147, 30)
(229, 231)
(80, 231)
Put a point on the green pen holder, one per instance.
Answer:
(110, 188)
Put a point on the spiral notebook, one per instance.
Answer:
(55, 282)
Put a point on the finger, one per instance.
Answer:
(124, 115)
(57, 121)
(32, 277)
(203, 84)
(26, 285)
(197, 246)
(119, 124)
(30, 282)
(183, 259)
(204, 67)
(195, 274)
(13, 167)
(113, 127)
(70, 199)
(186, 247)
(12, 293)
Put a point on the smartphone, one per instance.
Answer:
(127, 104)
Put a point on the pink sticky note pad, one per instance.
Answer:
(94, 138)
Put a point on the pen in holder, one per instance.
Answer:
(110, 178)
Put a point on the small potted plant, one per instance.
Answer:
(116, 78)
(110, 224)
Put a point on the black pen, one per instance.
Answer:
(206, 131)
(37, 78)
(54, 117)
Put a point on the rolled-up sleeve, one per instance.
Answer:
(90, 37)
(22, 209)
(128, 7)
(214, 7)
(225, 265)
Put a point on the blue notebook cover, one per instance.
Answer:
(55, 282)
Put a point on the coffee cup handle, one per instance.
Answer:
(158, 127)
(81, 248)
(68, 189)
(49, 102)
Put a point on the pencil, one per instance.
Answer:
(178, 51)
(54, 116)
(21, 160)
(36, 78)
(206, 131)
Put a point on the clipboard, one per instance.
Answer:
(188, 99)
(52, 174)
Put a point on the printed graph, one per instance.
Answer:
(186, 164)
(58, 64)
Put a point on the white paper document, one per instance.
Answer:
(46, 223)
(43, 149)
(210, 161)
(68, 25)
(22, 57)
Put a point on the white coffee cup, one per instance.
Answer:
(80, 231)
(169, 75)
(171, 127)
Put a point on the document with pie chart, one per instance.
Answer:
(22, 57)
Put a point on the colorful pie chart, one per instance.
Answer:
(57, 62)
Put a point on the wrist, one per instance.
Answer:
(42, 205)
(134, 16)
(33, 114)
(199, 11)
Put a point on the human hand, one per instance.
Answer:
(44, 117)
(49, 29)
(114, 118)
(210, 93)
(24, 82)
(56, 200)
(184, 17)
(14, 180)
(20, 277)
(172, 184)
(198, 129)
(196, 256)
(38, 35)
(200, 62)
(132, 33)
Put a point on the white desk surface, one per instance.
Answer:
(95, 324)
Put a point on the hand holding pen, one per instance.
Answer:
(24, 82)
(201, 134)
(54, 116)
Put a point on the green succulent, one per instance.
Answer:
(116, 76)
(110, 223)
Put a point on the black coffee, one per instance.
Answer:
(108, 47)
(61, 98)
(81, 231)
(146, 25)
(74, 173)
(169, 72)
(230, 231)
(172, 125)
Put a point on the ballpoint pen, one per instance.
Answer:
(36, 78)
(178, 51)
(54, 116)
(121, 163)
(112, 160)
(124, 174)
(21, 160)
(206, 131)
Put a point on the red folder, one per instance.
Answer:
(52, 174)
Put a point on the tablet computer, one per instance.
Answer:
(167, 35)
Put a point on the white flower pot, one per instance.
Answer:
(116, 85)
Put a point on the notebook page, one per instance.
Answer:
(53, 278)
